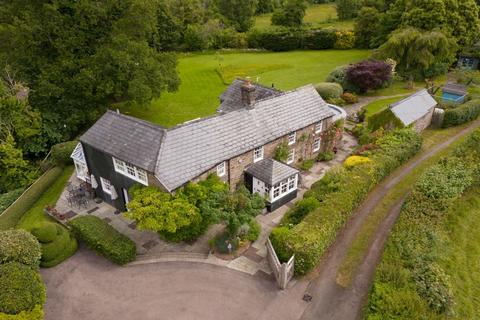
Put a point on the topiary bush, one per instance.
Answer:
(46, 232)
(461, 114)
(21, 288)
(329, 90)
(60, 153)
(354, 161)
(19, 246)
(35, 314)
(104, 239)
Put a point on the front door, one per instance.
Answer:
(125, 197)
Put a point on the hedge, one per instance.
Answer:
(10, 217)
(6, 199)
(21, 288)
(19, 246)
(35, 314)
(104, 239)
(57, 244)
(329, 90)
(339, 192)
(461, 114)
(409, 275)
(60, 153)
(288, 39)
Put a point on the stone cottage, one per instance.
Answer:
(238, 144)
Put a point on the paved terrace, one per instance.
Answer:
(151, 248)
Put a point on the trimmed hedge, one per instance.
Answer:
(56, 242)
(461, 114)
(104, 239)
(409, 279)
(60, 153)
(10, 217)
(21, 288)
(329, 90)
(19, 246)
(340, 192)
(6, 199)
(35, 314)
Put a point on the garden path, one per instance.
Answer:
(332, 301)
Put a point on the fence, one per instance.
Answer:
(283, 271)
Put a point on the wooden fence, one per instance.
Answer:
(283, 272)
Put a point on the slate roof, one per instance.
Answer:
(414, 107)
(231, 99)
(455, 88)
(126, 138)
(271, 171)
(193, 148)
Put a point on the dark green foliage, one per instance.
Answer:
(14, 213)
(60, 153)
(19, 246)
(461, 114)
(383, 119)
(329, 90)
(254, 229)
(320, 39)
(299, 211)
(366, 27)
(21, 288)
(341, 191)
(6, 199)
(47, 232)
(326, 156)
(307, 164)
(103, 238)
(223, 240)
(238, 13)
(291, 14)
(348, 9)
(411, 262)
(281, 152)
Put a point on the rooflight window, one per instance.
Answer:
(258, 154)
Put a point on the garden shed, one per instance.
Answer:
(415, 110)
(454, 92)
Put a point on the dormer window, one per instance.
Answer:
(292, 138)
(130, 171)
(318, 127)
(221, 169)
(258, 154)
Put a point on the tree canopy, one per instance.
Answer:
(291, 14)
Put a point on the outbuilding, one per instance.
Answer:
(415, 110)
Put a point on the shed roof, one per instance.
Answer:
(414, 107)
(455, 88)
(191, 149)
(126, 138)
(231, 99)
(271, 171)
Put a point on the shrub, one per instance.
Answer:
(46, 232)
(433, 285)
(13, 214)
(299, 211)
(384, 119)
(369, 74)
(62, 247)
(291, 14)
(60, 153)
(103, 238)
(21, 288)
(307, 164)
(254, 229)
(281, 152)
(35, 314)
(341, 191)
(354, 161)
(338, 75)
(461, 114)
(349, 98)
(6, 199)
(223, 240)
(345, 40)
(19, 246)
(329, 90)
(326, 156)
(320, 39)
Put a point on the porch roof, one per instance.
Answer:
(271, 171)
(78, 154)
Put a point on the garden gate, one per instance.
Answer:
(283, 271)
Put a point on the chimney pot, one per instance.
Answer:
(248, 94)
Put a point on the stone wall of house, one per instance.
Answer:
(423, 123)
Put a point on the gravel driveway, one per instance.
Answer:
(88, 287)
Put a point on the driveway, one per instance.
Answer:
(88, 287)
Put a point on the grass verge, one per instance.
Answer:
(356, 252)
(380, 105)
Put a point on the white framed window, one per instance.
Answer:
(130, 171)
(221, 169)
(81, 170)
(285, 187)
(291, 156)
(318, 127)
(316, 145)
(258, 154)
(106, 185)
(292, 138)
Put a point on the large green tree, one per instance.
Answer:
(238, 13)
(366, 27)
(78, 57)
(419, 54)
(291, 14)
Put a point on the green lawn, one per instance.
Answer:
(202, 83)
(379, 105)
(317, 15)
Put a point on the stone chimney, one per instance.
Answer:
(248, 94)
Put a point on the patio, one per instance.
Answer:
(151, 248)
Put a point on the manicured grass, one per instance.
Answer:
(400, 87)
(65, 244)
(355, 253)
(317, 15)
(379, 105)
(202, 85)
